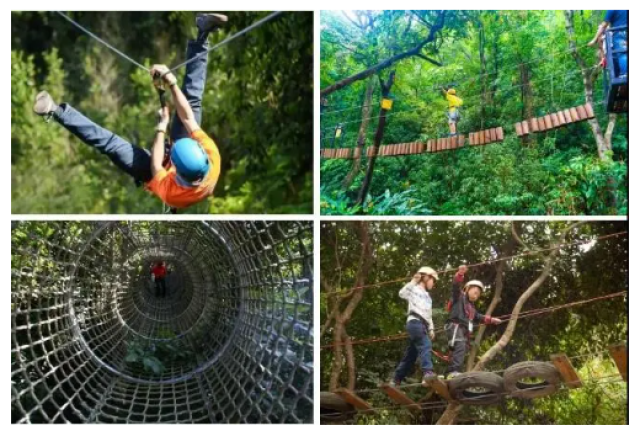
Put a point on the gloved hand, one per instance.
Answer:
(164, 73)
(162, 118)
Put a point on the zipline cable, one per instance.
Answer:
(487, 262)
(102, 41)
(524, 314)
(188, 61)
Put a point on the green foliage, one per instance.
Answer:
(580, 272)
(402, 203)
(558, 172)
(257, 103)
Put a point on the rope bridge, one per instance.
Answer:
(231, 340)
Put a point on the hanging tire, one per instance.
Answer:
(477, 388)
(516, 385)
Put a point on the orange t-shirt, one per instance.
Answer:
(165, 186)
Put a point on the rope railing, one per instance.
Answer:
(486, 262)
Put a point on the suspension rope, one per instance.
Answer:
(102, 41)
(188, 61)
(486, 262)
(524, 314)
(470, 77)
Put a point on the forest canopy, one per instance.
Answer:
(257, 103)
(507, 66)
(365, 264)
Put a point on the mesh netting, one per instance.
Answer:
(92, 339)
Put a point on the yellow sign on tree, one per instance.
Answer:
(386, 104)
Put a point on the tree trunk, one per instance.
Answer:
(483, 73)
(385, 89)
(362, 134)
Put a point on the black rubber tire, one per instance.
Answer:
(515, 387)
(459, 388)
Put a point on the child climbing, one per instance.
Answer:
(159, 272)
(453, 114)
(194, 167)
(614, 19)
(419, 321)
(462, 316)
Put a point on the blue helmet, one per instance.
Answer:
(190, 160)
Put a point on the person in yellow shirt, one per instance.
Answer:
(194, 167)
(453, 114)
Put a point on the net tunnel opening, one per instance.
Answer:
(95, 338)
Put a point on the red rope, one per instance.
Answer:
(486, 262)
(524, 314)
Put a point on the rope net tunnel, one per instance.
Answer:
(230, 340)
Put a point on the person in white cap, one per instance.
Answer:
(419, 325)
(462, 316)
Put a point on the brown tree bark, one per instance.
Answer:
(340, 317)
(385, 89)
(362, 134)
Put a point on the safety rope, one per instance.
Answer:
(524, 314)
(486, 262)
(188, 61)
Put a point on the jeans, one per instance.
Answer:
(161, 287)
(457, 338)
(419, 346)
(130, 158)
(620, 60)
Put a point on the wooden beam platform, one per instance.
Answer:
(555, 120)
(619, 356)
(569, 375)
(353, 399)
(400, 397)
(440, 387)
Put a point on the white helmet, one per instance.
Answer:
(428, 271)
(477, 283)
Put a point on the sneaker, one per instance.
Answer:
(210, 22)
(428, 375)
(453, 374)
(44, 105)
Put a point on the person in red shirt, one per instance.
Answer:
(159, 272)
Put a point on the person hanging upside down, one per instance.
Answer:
(453, 114)
(193, 170)
(419, 322)
(462, 316)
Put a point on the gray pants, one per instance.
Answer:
(457, 337)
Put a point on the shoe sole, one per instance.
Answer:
(43, 103)
(214, 20)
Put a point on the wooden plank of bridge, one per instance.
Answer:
(400, 397)
(582, 113)
(548, 123)
(619, 356)
(493, 135)
(441, 388)
(555, 120)
(357, 153)
(500, 133)
(589, 109)
(519, 129)
(460, 141)
(561, 119)
(483, 137)
(567, 371)
(429, 145)
(357, 402)
(534, 125)
(574, 115)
